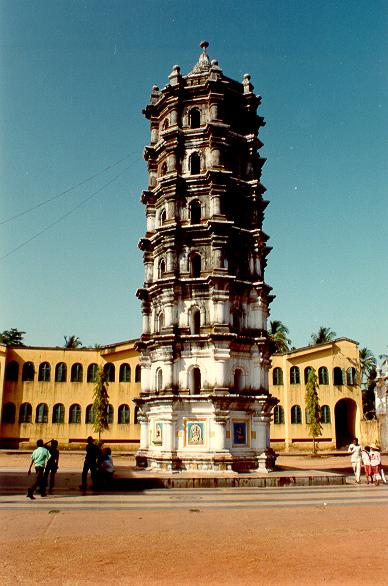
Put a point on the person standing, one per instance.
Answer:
(355, 451)
(367, 465)
(91, 463)
(39, 458)
(52, 465)
(375, 460)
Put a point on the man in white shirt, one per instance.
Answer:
(355, 451)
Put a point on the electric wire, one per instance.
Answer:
(58, 195)
(73, 209)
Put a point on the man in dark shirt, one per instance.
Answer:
(52, 464)
(91, 458)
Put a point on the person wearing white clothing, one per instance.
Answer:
(355, 451)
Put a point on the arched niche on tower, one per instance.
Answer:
(195, 320)
(195, 211)
(195, 265)
(194, 380)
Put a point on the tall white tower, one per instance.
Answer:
(204, 401)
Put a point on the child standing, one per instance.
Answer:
(367, 465)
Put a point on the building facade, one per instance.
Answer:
(204, 401)
(47, 393)
(337, 366)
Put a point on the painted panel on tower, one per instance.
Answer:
(240, 436)
(195, 433)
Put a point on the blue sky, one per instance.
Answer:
(75, 76)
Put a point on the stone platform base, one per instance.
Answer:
(208, 463)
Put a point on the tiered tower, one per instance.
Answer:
(204, 401)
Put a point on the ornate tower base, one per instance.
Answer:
(211, 432)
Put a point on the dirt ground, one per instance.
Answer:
(272, 546)
(345, 545)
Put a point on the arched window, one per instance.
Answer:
(195, 164)
(110, 413)
(195, 321)
(195, 265)
(294, 375)
(165, 124)
(136, 415)
(124, 414)
(194, 118)
(162, 217)
(160, 321)
(338, 377)
(44, 372)
(138, 373)
(236, 321)
(163, 169)
(307, 371)
(75, 413)
(110, 372)
(9, 413)
(125, 373)
(195, 212)
(325, 414)
(278, 415)
(59, 413)
(77, 373)
(195, 381)
(60, 372)
(323, 375)
(25, 413)
(296, 414)
(238, 380)
(159, 379)
(162, 268)
(41, 413)
(277, 376)
(12, 371)
(89, 414)
(351, 376)
(91, 375)
(28, 372)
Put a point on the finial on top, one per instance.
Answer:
(204, 45)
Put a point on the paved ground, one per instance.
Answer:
(308, 536)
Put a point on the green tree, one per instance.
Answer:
(72, 342)
(100, 403)
(278, 332)
(323, 335)
(313, 409)
(12, 337)
(367, 364)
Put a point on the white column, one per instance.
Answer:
(168, 439)
(144, 437)
(219, 438)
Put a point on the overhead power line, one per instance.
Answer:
(58, 195)
(73, 209)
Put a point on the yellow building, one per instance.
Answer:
(48, 393)
(337, 366)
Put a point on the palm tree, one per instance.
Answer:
(278, 337)
(367, 364)
(323, 336)
(72, 342)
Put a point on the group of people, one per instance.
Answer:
(370, 458)
(45, 459)
(99, 462)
